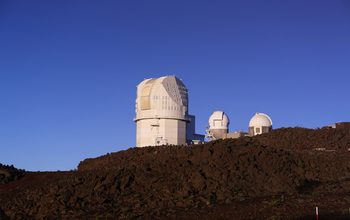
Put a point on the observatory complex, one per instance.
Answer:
(162, 113)
(218, 126)
(162, 116)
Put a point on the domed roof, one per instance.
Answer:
(219, 120)
(260, 119)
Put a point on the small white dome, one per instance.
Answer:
(219, 120)
(260, 119)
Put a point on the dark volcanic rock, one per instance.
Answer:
(9, 173)
(275, 175)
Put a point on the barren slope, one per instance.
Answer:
(275, 175)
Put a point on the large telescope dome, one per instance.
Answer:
(161, 108)
(260, 124)
(260, 119)
(219, 120)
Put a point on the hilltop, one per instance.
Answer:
(9, 173)
(283, 174)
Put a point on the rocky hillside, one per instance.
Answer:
(9, 173)
(284, 174)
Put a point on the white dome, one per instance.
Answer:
(260, 119)
(219, 120)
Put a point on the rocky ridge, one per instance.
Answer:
(283, 174)
(9, 173)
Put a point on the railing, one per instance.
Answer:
(182, 119)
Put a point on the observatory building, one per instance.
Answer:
(218, 127)
(162, 113)
(218, 124)
(260, 124)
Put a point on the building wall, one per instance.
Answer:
(259, 130)
(266, 129)
(174, 131)
(236, 135)
(190, 128)
(152, 132)
(219, 133)
(251, 131)
(143, 133)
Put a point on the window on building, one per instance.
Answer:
(257, 131)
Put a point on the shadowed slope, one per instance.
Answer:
(251, 177)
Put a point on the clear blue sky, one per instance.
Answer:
(69, 69)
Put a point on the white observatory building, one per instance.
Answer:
(218, 127)
(162, 113)
(260, 124)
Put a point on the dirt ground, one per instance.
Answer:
(284, 174)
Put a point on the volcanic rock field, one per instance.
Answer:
(283, 174)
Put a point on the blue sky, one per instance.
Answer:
(69, 69)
